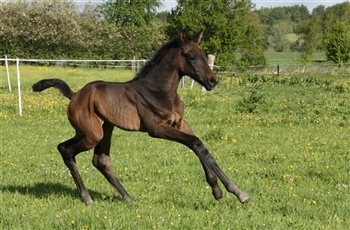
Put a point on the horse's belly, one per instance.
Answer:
(126, 118)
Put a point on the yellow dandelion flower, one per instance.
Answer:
(105, 217)
(138, 216)
(72, 222)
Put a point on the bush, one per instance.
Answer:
(60, 29)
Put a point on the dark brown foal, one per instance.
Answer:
(148, 103)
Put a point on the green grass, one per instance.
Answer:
(284, 140)
(290, 58)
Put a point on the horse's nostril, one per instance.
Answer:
(213, 80)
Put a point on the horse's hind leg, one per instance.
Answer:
(69, 149)
(102, 161)
(213, 182)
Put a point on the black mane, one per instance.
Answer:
(157, 57)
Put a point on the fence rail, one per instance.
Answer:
(136, 65)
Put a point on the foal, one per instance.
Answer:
(148, 103)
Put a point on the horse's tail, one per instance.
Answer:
(56, 83)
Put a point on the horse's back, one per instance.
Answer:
(107, 101)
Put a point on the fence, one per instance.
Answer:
(136, 65)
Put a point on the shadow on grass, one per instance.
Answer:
(43, 190)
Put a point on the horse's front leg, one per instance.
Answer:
(166, 131)
(208, 159)
(210, 176)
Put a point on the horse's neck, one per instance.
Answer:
(165, 76)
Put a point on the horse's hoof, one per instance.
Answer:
(218, 194)
(88, 201)
(128, 198)
(243, 198)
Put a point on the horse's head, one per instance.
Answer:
(194, 63)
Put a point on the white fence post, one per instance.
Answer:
(8, 73)
(19, 88)
(211, 59)
(6, 59)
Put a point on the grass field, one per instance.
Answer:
(284, 140)
(290, 58)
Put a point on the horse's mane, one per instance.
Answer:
(157, 57)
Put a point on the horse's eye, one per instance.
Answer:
(191, 57)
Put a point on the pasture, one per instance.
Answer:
(290, 58)
(284, 140)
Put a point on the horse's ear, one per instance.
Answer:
(183, 36)
(198, 36)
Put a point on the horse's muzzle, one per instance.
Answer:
(212, 82)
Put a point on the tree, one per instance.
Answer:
(278, 14)
(264, 14)
(48, 29)
(318, 32)
(310, 32)
(278, 22)
(251, 54)
(226, 24)
(319, 10)
(277, 36)
(337, 43)
(100, 39)
(139, 30)
(338, 12)
(131, 12)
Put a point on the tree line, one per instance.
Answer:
(296, 29)
(235, 32)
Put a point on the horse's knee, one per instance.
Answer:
(101, 162)
(95, 161)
